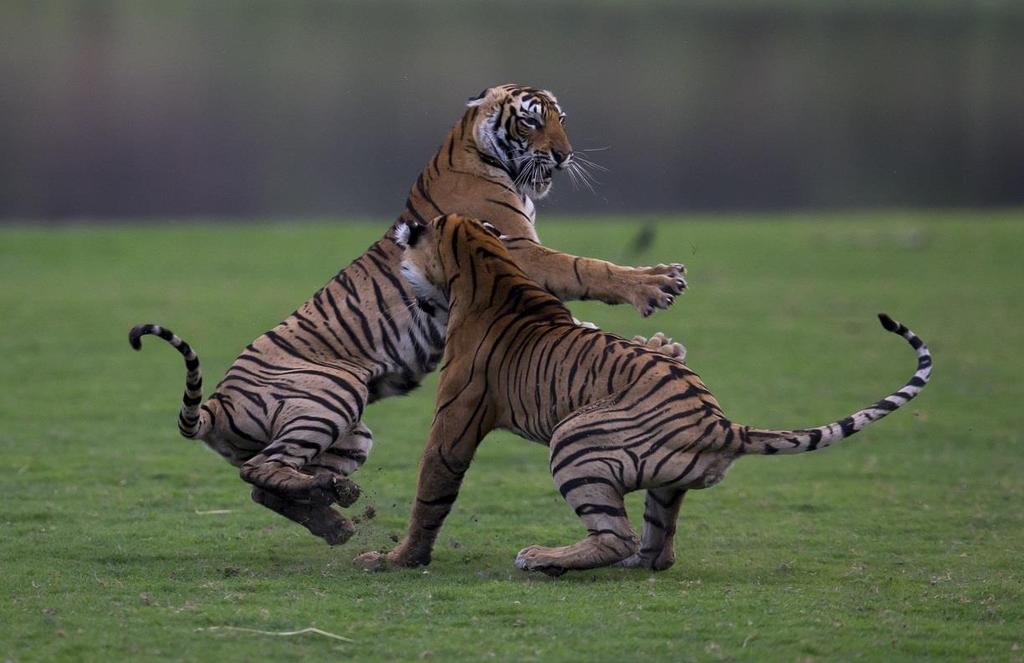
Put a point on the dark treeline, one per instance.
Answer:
(260, 108)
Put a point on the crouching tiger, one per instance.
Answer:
(289, 410)
(616, 416)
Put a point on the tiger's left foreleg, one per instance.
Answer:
(454, 436)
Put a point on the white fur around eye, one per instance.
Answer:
(402, 235)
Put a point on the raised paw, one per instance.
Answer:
(320, 520)
(663, 344)
(331, 526)
(330, 488)
(346, 491)
(656, 287)
(538, 558)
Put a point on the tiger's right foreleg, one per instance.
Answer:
(573, 277)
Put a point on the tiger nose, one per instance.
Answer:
(561, 158)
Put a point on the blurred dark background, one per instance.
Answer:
(229, 108)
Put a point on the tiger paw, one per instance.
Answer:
(331, 526)
(663, 344)
(346, 491)
(660, 562)
(397, 558)
(372, 561)
(538, 558)
(656, 287)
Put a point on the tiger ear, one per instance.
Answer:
(402, 234)
(495, 93)
(407, 233)
(478, 99)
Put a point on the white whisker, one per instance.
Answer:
(591, 164)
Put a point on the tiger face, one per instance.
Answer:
(523, 128)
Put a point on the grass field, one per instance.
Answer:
(122, 540)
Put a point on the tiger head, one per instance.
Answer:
(523, 130)
(430, 253)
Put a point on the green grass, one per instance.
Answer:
(905, 542)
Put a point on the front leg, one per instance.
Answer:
(454, 437)
(572, 277)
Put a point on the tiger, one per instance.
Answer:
(289, 411)
(616, 415)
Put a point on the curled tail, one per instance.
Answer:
(192, 422)
(809, 439)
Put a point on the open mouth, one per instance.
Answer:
(535, 177)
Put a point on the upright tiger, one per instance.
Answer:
(289, 410)
(617, 416)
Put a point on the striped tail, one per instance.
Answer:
(757, 441)
(191, 421)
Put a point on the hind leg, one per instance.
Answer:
(336, 462)
(609, 537)
(320, 520)
(592, 476)
(344, 456)
(300, 443)
(661, 508)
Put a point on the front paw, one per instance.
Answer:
(656, 287)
